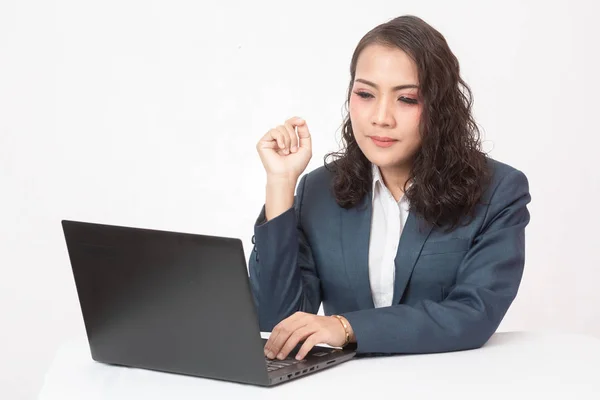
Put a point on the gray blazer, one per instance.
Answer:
(451, 290)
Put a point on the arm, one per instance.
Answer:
(486, 284)
(283, 275)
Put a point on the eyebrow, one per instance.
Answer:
(400, 87)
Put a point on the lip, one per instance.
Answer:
(381, 141)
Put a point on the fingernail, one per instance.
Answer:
(280, 356)
(298, 357)
(294, 149)
(270, 354)
(286, 151)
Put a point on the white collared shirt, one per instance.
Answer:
(387, 222)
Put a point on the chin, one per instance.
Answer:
(397, 156)
(388, 162)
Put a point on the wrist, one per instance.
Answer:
(279, 196)
(348, 331)
(286, 180)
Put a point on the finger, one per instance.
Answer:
(309, 343)
(272, 139)
(296, 337)
(293, 136)
(269, 346)
(295, 121)
(282, 331)
(280, 137)
(277, 328)
(268, 145)
(304, 134)
(267, 142)
(302, 130)
(286, 138)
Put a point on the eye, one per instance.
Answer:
(363, 95)
(407, 100)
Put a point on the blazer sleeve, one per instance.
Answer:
(486, 284)
(283, 276)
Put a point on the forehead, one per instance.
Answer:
(386, 66)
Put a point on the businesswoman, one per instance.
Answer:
(411, 237)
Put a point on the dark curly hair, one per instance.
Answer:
(449, 172)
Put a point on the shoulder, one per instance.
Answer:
(506, 198)
(500, 169)
(315, 189)
(505, 180)
(318, 179)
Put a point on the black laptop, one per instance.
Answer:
(176, 302)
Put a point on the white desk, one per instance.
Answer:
(511, 365)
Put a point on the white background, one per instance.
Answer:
(146, 113)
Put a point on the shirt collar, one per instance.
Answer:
(377, 178)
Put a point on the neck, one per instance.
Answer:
(395, 178)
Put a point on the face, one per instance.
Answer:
(384, 107)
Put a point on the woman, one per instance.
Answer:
(411, 238)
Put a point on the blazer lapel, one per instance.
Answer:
(356, 232)
(414, 234)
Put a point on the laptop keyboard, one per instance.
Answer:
(275, 364)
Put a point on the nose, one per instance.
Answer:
(383, 115)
